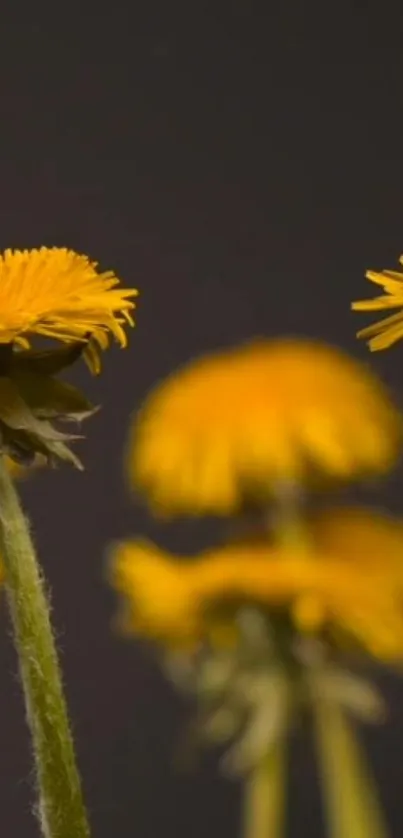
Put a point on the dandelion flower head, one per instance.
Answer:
(53, 293)
(385, 332)
(245, 420)
(57, 293)
(350, 583)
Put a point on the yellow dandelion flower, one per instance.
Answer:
(57, 294)
(383, 333)
(241, 421)
(140, 566)
(351, 583)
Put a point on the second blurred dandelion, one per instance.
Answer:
(260, 634)
(241, 423)
(349, 584)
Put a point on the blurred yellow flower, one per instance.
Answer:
(58, 293)
(349, 583)
(246, 420)
(382, 334)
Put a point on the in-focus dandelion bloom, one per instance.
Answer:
(60, 294)
(240, 422)
(384, 332)
(57, 294)
(349, 584)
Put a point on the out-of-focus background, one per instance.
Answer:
(241, 164)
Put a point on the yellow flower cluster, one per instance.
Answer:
(253, 423)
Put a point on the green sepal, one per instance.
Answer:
(52, 361)
(51, 398)
(24, 448)
(49, 361)
(16, 414)
(32, 398)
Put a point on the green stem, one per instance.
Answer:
(290, 526)
(60, 807)
(264, 796)
(351, 799)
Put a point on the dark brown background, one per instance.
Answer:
(242, 167)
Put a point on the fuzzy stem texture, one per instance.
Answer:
(60, 805)
(264, 796)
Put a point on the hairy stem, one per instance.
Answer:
(60, 805)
